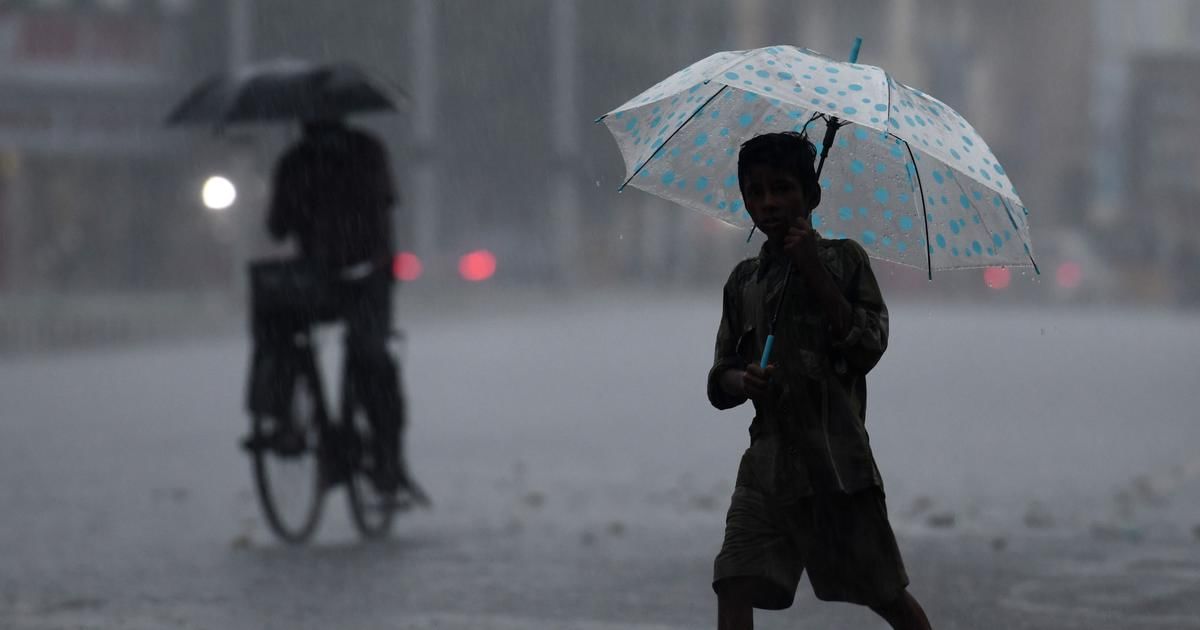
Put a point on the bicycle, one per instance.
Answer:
(299, 450)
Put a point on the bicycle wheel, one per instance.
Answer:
(371, 511)
(287, 466)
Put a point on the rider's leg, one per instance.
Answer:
(369, 323)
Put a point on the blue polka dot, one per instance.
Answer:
(745, 119)
(868, 237)
(849, 110)
(821, 89)
(848, 187)
(937, 177)
(831, 70)
(732, 76)
(845, 213)
(750, 97)
(701, 183)
(999, 169)
(977, 247)
(856, 87)
(722, 205)
(941, 241)
(816, 220)
(906, 223)
(668, 177)
(880, 107)
(724, 132)
(997, 241)
(731, 181)
(887, 215)
(701, 139)
(955, 154)
(954, 227)
(785, 76)
(857, 167)
(966, 203)
(864, 213)
(763, 74)
(861, 134)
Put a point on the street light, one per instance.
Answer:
(218, 193)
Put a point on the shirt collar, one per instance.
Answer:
(769, 256)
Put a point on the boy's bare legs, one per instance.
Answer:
(735, 608)
(903, 613)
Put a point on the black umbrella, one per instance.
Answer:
(283, 90)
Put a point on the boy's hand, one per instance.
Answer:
(801, 245)
(756, 382)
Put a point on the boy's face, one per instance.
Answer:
(775, 199)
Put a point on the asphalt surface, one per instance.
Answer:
(1040, 467)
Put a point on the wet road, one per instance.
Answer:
(1040, 468)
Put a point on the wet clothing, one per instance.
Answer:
(808, 492)
(333, 191)
(844, 541)
(813, 435)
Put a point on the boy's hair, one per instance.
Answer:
(787, 150)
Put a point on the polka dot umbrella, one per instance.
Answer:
(908, 177)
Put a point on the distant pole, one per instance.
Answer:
(424, 200)
(243, 168)
(750, 19)
(241, 33)
(564, 194)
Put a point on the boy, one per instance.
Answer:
(808, 494)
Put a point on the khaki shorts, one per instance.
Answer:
(843, 540)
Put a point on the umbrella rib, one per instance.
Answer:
(668, 140)
(963, 191)
(924, 209)
(1029, 253)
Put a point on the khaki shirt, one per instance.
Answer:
(812, 436)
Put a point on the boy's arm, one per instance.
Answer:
(724, 379)
(863, 340)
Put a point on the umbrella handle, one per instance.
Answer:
(767, 352)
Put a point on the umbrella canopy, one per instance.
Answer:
(908, 178)
(282, 90)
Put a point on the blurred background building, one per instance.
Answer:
(1090, 105)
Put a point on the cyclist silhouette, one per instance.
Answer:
(333, 192)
